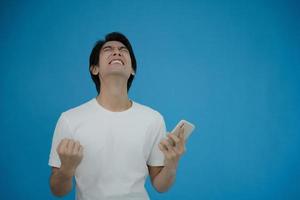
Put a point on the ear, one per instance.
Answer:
(132, 73)
(94, 69)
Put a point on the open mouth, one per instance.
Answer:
(116, 61)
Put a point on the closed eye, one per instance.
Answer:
(110, 48)
(124, 49)
(107, 48)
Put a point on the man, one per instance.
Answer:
(110, 144)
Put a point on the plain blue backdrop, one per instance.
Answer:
(230, 67)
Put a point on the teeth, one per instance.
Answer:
(116, 61)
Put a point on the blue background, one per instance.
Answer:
(230, 67)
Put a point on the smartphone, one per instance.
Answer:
(188, 128)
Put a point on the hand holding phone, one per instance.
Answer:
(188, 128)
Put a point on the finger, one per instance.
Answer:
(70, 147)
(61, 146)
(162, 148)
(181, 132)
(180, 150)
(80, 151)
(67, 143)
(76, 147)
(169, 148)
(174, 138)
(167, 152)
(171, 153)
(165, 149)
(167, 144)
(163, 145)
(170, 141)
(79, 146)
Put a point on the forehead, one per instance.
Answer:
(113, 44)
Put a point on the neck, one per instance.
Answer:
(113, 96)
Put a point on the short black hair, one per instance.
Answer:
(94, 56)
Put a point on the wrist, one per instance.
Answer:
(171, 165)
(68, 173)
(171, 168)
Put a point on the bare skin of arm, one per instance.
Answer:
(60, 182)
(70, 153)
(162, 177)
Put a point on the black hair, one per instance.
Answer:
(94, 56)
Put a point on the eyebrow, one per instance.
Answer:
(109, 46)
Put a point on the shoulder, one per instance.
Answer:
(149, 112)
(81, 111)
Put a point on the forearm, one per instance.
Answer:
(163, 181)
(61, 182)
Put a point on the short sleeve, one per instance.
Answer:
(62, 130)
(156, 157)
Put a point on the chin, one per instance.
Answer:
(118, 74)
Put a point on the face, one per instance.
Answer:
(114, 60)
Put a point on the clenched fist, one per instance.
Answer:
(70, 153)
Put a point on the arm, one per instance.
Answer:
(163, 177)
(60, 182)
(70, 153)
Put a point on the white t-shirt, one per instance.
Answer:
(118, 146)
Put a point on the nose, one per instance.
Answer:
(116, 52)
